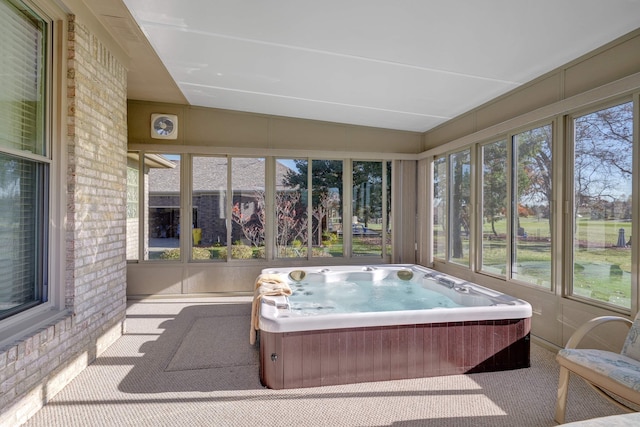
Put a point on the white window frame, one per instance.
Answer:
(53, 308)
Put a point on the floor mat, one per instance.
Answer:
(214, 342)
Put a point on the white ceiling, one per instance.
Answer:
(402, 64)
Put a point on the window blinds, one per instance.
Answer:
(22, 72)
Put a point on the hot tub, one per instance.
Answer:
(417, 323)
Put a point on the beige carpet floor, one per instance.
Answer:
(188, 362)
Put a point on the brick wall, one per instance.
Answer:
(36, 367)
(96, 179)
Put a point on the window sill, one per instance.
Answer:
(28, 324)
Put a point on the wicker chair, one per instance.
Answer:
(606, 371)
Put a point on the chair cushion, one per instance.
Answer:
(618, 367)
(621, 420)
(631, 347)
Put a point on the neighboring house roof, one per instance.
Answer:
(210, 173)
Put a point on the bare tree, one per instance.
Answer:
(291, 218)
(602, 157)
(251, 218)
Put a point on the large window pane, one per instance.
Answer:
(162, 175)
(209, 208)
(603, 147)
(494, 208)
(291, 208)
(248, 208)
(326, 207)
(460, 199)
(531, 216)
(387, 223)
(366, 225)
(440, 191)
(22, 238)
(133, 203)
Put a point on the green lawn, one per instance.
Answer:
(601, 270)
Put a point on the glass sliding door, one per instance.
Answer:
(459, 219)
(494, 208)
(531, 211)
(209, 208)
(326, 207)
(388, 211)
(366, 224)
(292, 199)
(602, 201)
(248, 208)
(163, 197)
(440, 198)
(133, 214)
